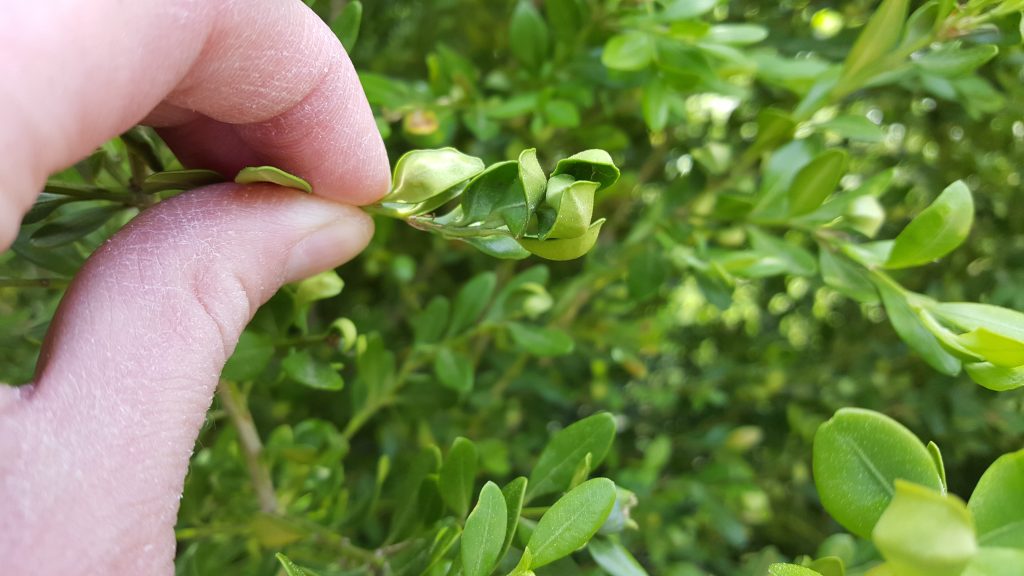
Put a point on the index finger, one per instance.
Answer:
(231, 83)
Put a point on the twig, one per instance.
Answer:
(34, 282)
(249, 439)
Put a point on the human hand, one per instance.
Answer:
(93, 454)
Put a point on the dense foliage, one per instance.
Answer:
(791, 171)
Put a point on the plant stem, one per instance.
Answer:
(249, 438)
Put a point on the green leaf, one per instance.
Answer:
(457, 475)
(736, 34)
(774, 128)
(594, 165)
(290, 568)
(880, 35)
(571, 521)
(528, 194)
(528, 35)
(778, 254)
(993, 347)
(816, 181)
(996, 562)
(828, 566)
(515, 495)
(492, 191)
(319, 287)
(180, 180)
(971, 316)
(655, 105)
(539, 340)
(994, 377)
(454, 369)
(302, 367)
(346, 24)
(485, 532)
(790, 570)
(554, 470)
(628, 52)
(561, 113)
(858, 455)
(912, 330)
(936, 454)
(73, 227)
(471, 301)
(998, 503)
(846, 277)
(936, 231)
(614, 558)
(686, 9)
(951, 61)
(250, 358)
(854, 128)
(570, 207)
(925, 533)
(428, 324)
(272, 175)
(504, 247)
(423, 174)
(566, 248)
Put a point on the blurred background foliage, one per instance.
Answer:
(716, 384)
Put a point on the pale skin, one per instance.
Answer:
(94, 452)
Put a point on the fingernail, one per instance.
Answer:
(340, 233)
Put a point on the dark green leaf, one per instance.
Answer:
(302, 367)
(250, 358)
(787, 256)
(879, 36)
(554, 470)
(346, 24)
(471, 301)
(954, 61)
(936, 231)
(428, 325)
(846, 277)
(858, 456)
(655, 106)
(571, 521)
(180, 180)
(454, 369)
(539, 340)
(515, 495)
(485, 532)
(593, 165)
(528, 35)
(73, 227)
(816, 181)
(457, 475)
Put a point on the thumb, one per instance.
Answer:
(94, 454)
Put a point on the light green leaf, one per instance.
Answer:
(515, 495)
(880, 35)
(628, 52)
(912, 330)
(302, 367)
(787, 256)
(816, 181)
(858, 455)
(996, 562)
(481, 547)
(571, 521)
(324, 285)
(737, 34)
(570, 208)
(539, 340)
(971, 316)
(655, 105)
(560, 458)
(920, 27)
(828, 566)
(993, 347)
(594, 165)
(250, 358)
(457, 474)
(566, 248)
(936, 231)
(454, 369)
(774, 127)
(686, 9)
(180, 180)
(790, 570)
(423, 174)
(504, 247)
(854, 128)
(998, 503)
(994, 377)
(925, 533)
(272, 175)
(471, 301)
(528, 35)
(614, 558)
(290, 568)
(936, 454)
(346, 24)
(951, 61)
